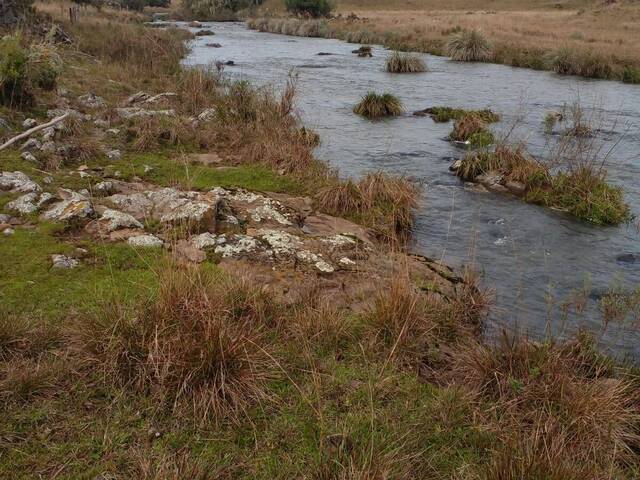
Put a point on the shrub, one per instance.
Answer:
(404, 63)
(375, 105)
(312, 8)
(216, 10)
(469, 46)
(197, 343)
(15, 88)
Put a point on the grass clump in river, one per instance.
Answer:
(472, 128)
(445, 114)
(580, 190)
(374, 105)
(399, 62)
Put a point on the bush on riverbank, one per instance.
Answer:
(374, 105)
(311, 8)
(399, 62)
(469, 46)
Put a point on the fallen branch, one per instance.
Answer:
(33, 130)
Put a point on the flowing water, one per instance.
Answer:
(533, 258)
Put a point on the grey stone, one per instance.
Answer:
(8, 231)
(29, 123)
(91, 100)
(114, 154)
(115, 220)
(73, 206)
(31, 144)
(17, 182)
(145, 241)
(29, 157)
(63, 261)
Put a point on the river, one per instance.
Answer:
(534, 259)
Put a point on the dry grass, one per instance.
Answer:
(198, 343)
(399, 62)
(514, 163)
(469, 46)
(602, 38)
(560, 408)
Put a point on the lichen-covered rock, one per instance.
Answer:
(29, 157)
(112, 220)
(236, 245)
(63, 261)
(17, 182)
(148, 241)
(127, 113)
(91, 100)
(29, 203)
(136, 204)
(73, 206)
(104, 188)
(29, 123)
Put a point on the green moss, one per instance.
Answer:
(481, 139)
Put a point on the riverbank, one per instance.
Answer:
(582, 38)
(188, 305)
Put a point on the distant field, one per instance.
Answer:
(603, 38)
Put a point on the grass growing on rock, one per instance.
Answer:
(581, 191)
(374, 105)
(399, 62)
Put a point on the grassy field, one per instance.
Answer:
(596, 39)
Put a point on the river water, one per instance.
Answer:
(534, 259)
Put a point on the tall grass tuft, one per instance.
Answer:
(399, 62)
(374, 105)
(560, 409)
(469, 46)
(197, 343)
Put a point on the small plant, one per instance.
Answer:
(399, 62)
(375, 105)
(471, 128)
(631, 74)
(550, 120)
(469, 46)
(311, 8)
(445, 114)
(15, 88)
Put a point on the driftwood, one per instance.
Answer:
(33, 130)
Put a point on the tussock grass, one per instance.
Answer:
(560, 408)
(471, 128)
(374, 105)
(399, 62)
(514, 163)
(469, 46)
(198, 343)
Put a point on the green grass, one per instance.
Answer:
(445, 114)
(167, 169)
(30, 286)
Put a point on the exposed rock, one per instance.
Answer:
(136, 204)
(17, 182)
(63, 261)
(136, 112)
(48, 134)
(29, 203)
(455, 166)
(29, 123)
(114, 220)
(73, 206)
(173, 206)
(31, 144)
(321, 224)
(138, 97)
(213, 45)
(194, 24)
(236, 245)
(104, 188)
(7, 232)
(29, 157)
(492, 181)
(207, 240)
(91, 100)
(517, 188)
(48, 147)
(628, 258)
(4, 218)
(206, 158)
(204, 33)
(114, 154)
(150, 241)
